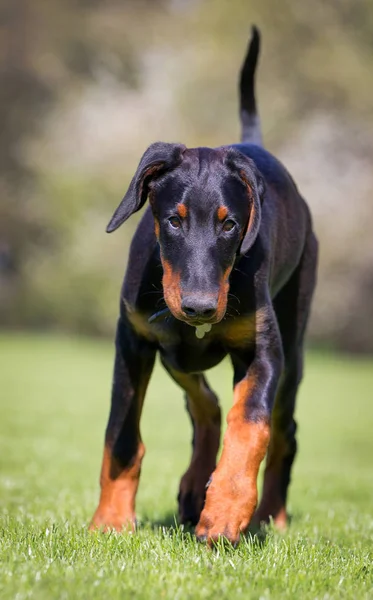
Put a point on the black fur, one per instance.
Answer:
(177, 280)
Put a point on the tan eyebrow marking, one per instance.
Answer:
(156, 227)
(222, 212)
(182, 210)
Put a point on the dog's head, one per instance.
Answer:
(206, 205)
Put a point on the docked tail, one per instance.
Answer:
(250, 122)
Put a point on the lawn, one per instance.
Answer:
(54, 406)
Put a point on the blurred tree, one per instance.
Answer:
(85, 85)
(46, 46)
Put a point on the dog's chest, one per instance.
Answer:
(236, 332)
(193, 353)
(185, 349)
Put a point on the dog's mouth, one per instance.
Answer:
(198, 322)
(161, 315)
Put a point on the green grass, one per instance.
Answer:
(54, 406)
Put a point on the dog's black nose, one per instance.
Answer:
(198, 308)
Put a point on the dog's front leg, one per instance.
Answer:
(232, 495)
(124, 449)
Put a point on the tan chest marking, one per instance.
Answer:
(154, 332)
(141, 325)
(240, 331)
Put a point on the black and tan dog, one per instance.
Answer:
(223, 263)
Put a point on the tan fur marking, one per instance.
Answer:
(116, 509)
(141, 325)
(119, 482)
(148, 173)
(223, 294)
(232, 496)
(202, 402)
(156, 227)
(182, 210)
(222, 212)
(171, 288)
(242, 330)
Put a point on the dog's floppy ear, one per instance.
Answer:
(250, 175)
(158, 158)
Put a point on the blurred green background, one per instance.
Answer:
(51, 434)
(87, 85)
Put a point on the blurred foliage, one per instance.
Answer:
(48, 47)
(85, 86)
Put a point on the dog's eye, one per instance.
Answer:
(228, 225)
(174, 222)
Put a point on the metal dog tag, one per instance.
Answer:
(202, 329)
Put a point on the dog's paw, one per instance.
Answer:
(214, 527)
(106, 520)
(228, 510)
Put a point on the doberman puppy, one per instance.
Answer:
(222, 263)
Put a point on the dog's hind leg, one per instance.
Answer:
(124, 449)
(292, 306)
(203, 408)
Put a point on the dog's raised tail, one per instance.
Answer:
(250, 123)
